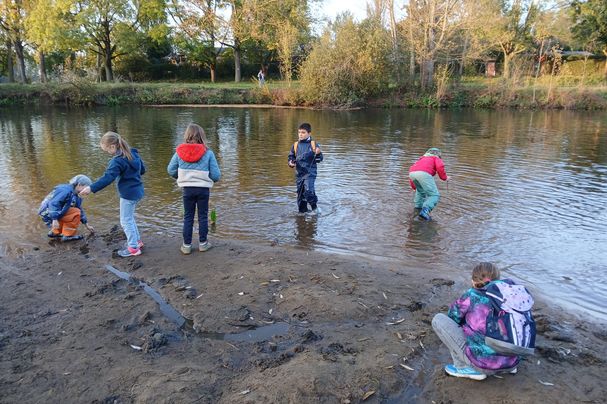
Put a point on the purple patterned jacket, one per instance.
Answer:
(470, 311)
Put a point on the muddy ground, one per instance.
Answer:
(263, 323)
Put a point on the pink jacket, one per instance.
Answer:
(431, 165)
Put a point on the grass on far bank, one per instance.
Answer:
(563, 92)
(84, 92)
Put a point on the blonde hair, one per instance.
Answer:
(484, 273)
(114, 139)
(194, 134)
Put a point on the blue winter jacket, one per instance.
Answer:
(305, 160)
(57, 203)
(194, 166)
(128, 173)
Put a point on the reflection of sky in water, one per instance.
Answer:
(527, 191)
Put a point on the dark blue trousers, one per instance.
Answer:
(195, 197)
(306, 194)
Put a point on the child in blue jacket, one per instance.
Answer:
(126, 166)
(196, 170)
(304, 155)
(62, 210)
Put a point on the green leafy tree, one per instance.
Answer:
(591, 24)
(110, 24)
(349, 63)
(12, 22)
(279, 26)
(201, 31)
(50, 27)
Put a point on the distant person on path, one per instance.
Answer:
(126, 166)
(62, 210)
(421, 179)
(472, 318)
(304, 156)
(261, 77)
(196, 170)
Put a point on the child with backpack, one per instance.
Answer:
(196, 170)
(489, 328)
(304, 156)
(421, 179)
(62, 210)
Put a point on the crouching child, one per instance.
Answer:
(62, 210)
(489, 328)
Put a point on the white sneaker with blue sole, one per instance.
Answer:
(466, 372)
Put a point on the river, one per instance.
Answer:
(528, 190)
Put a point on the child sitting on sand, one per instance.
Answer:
(62, 211)
(465, 328)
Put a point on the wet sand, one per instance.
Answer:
(263, 323)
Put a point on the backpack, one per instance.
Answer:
(510, 328)
(312, 143)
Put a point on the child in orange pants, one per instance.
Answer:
(62, 211)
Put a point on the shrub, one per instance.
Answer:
(347, 65)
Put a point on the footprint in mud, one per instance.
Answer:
(335, 349)
(154, 341)
(114, 235)
(437, 282)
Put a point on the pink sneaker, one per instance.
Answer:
(129, 252)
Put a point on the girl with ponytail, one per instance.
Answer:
(127, 166)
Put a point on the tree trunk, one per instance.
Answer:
(42, 66)
(20, 61)
(237, 72)
(507, 60)
(429, 48)
(428, 78)
(605, 53)
(99, 67)
(411, 53)
(463, 60)
(212, 67)
(396, 59)
(9, 62)
(107, 63)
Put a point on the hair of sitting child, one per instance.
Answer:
(484, 273)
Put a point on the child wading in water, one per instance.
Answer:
(304, 155)
(421, 179)
(127, 166)
(62, 209)
(464, 328)
(196, 169)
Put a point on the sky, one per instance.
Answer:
(329, 9)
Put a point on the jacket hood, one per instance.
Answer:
(432, 152)
(191, 152)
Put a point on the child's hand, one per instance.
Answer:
(89, 228)
(291, 163)
(85, 191)
(55, 224)
(317, 150)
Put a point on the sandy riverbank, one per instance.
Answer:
(71, 331)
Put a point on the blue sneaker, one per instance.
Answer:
(425, 214)
(72, 238)
(466, 372)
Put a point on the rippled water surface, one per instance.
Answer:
(528, 189)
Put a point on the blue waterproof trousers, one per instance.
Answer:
(305, 193)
